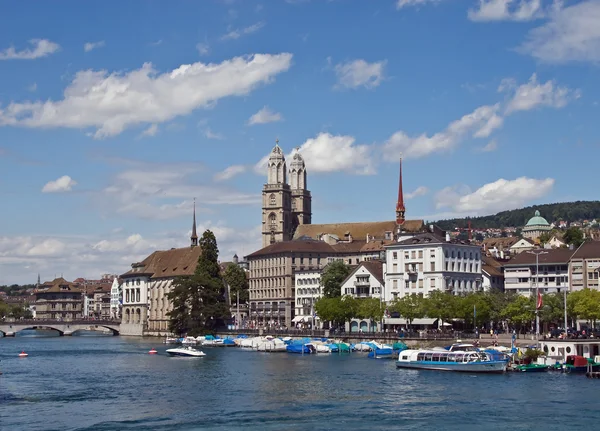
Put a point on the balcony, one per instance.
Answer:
(362, 283)
(411, 269)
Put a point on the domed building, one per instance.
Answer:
(536, 226)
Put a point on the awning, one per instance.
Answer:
(297, 319)
(399, 321)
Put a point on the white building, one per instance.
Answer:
(493, 277)
(365, 281)
(116, 299)
(521, 276)
(428, 262)
(308, 291)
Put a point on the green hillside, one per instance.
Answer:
(568, 211)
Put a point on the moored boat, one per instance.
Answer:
(186, 351)
(472, 362)
(531, 368)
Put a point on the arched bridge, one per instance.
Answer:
(9, 329)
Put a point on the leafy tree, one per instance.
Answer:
(497, 301)
(585, 304)
(4, 309)
(332, 278)
(440, 305)
(236, 278)
(370, 308)
(331, 310)
(520, 311)
(199, 301)
(553, 309)
(545, 237)
(466, 306)
(410, 307)
(573, 235)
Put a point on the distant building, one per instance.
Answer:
(536, 226)
(523, 244)
(554, 242)
(585, 266)
(493, 275)
(308, 291)
(60, 300)
(520, 272)
(116, 298)
(367, 280)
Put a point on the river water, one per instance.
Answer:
(112, 383)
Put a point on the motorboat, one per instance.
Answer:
(186, 351)
(472, 362)
(274, 345)
(171, 340)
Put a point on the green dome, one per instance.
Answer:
(537, 220)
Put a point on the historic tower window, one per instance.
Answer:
(273, 221)
(272, 200)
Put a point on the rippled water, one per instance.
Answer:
(111, 383)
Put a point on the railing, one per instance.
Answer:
(61, 322)
(362, 283)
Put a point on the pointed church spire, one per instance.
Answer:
(194, 236)
(400, 209)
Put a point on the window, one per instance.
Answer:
(432, 266)
(395, 267)
(420, 283)
(413, 254)
(420, 254)
(272, 200)
(407, 284)
(395, 284)
(432, 283)
(273, 221)
(395, 255)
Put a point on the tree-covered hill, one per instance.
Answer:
(568, 211)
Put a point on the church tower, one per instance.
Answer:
(301, 198)
(400, 209)
(277, 201)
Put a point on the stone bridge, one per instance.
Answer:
(8, 329)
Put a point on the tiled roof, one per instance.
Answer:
(490, 261)
(357, 230)
(423, 238)
(558, 255)
(296, 246)
(168, 263)
(507, 242)
(349, 247)
(60, 285)
(492, 270)
(588, 250)
(375, 267)
(376, 245)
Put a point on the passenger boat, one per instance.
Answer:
(471, 362)
(186, 351)
(578, 364)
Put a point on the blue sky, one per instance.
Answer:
(111, 123)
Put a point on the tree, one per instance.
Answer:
(573, 235)
(553, 309)
(585, 304)
(331, 310)
(199, 301)
(545, 237)
(520, 310)
(332, 278)
(473, 306)
(370, 308)
(440, 305)
(410, 307)
(236, 278)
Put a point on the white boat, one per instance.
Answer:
(189, 341)
(472, 362)
(275, 345)
(171, 340)
(186, 351)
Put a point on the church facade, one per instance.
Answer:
(285, 205)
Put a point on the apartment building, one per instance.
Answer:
(585, 266)
(522, 275)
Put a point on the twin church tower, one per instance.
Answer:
(285, 205)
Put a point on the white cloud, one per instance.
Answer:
(63, 184)
(419, 191)
(480, 124)
(203, 48)
(239, 32)
(493, 197)
(41, 48)
(113, 102)
(209, 134)
(571, 34)
(166, 190)
(359, 73)
(489, 147)
(230, 172)
(507, 10)
(533, 94)
(407, 3)
(32, 87)
(265, 115)
(88, 46)
(151, 131)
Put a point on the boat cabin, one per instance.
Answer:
(559, 350)
(435, 356)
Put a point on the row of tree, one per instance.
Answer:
(14, 311)
(474, 310)
(570, 211)
(199, 301)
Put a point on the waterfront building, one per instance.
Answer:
(146, 285)
(584, 267)
(429, 262)
(273, 267)
(58, 300)
(239, 310)
(308, 291)
(365, 281)
(116, 298)
(536, 226)
(552, 274)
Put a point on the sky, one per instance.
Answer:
(113, 119)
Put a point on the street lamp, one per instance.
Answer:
(537, 288)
